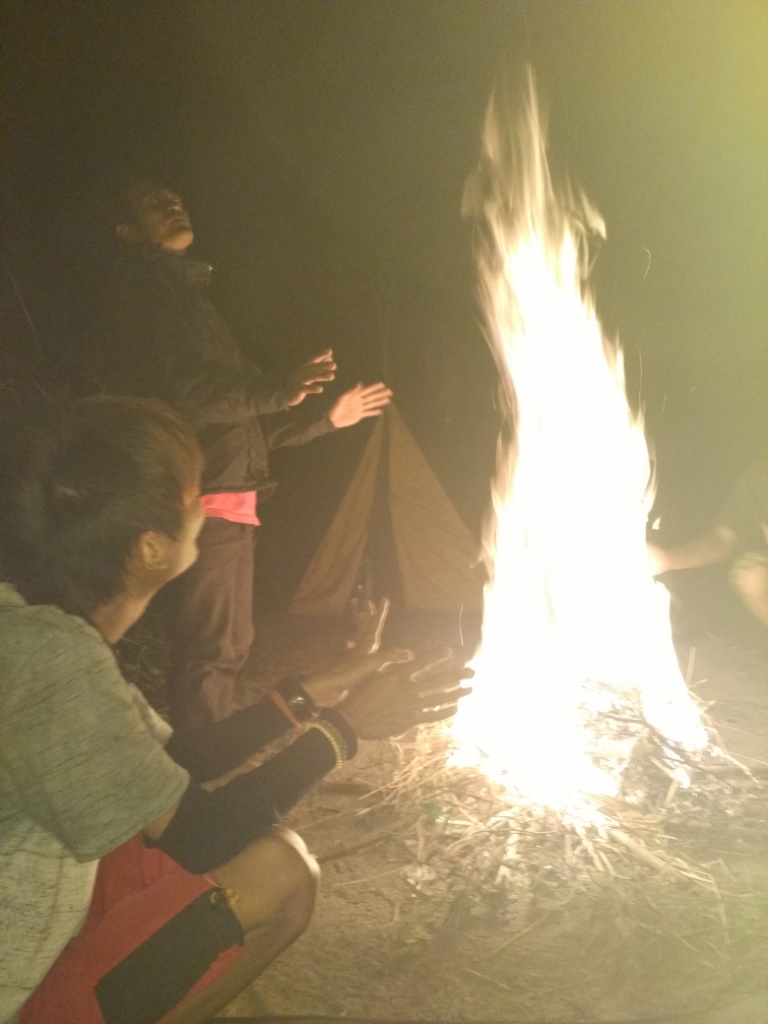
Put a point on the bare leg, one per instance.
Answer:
(276, 880)
(749, 576)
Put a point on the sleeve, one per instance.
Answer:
(80, 760)
(213, 749)
(149, 349)
(209, 828)
(290, 774)
(295, 431)
(209, 391)
(210, 751)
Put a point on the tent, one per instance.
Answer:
(436, 555)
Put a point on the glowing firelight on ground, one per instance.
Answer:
(573, 619)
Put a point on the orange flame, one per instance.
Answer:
(572, 614)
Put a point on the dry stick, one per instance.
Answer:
(368, 878)
(607, 866)
(343, 851)
(662, 767)
(638, 850)
(498, 984)
(671, 794)
(589, 847)
(351, 812)
(724, 752)
(413, 775)
(531, 926)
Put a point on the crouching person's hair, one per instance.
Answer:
(79, 484)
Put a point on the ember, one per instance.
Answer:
(574, 625)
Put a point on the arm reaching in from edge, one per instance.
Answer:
(205, 829)
(211, 752)
(708, 549)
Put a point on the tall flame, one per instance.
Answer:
(572, 613)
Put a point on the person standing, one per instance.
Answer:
(162, 337)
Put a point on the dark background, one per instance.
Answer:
(323, 148)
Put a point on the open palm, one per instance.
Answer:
(359, 403)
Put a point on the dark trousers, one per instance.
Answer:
(214, 627)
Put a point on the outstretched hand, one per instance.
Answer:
(329, 687)
(370, 617)
(359, 403)
(308, 378)
(390, 702)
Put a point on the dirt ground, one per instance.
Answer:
(407, 931)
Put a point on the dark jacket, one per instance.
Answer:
(161, 337)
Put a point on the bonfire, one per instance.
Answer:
(575, 629)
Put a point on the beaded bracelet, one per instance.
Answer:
(334, 737)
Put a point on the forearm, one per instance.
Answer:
(215, 749)
(209, 828)
(295, 431)
(213, 393)
(705, 550)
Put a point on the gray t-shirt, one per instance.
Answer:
(82, 770)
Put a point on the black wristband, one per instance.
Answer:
(299, 702)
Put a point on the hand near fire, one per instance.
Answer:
(391, 701)
(328, 686)
(359, 403)
(308, 378)
(370, 617)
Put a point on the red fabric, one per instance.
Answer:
(239, 507)
(137, 890)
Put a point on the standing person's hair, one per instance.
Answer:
(79, 484)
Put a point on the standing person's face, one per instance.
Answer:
(160, 220)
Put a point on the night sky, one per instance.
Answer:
(323, 149)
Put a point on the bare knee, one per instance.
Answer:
(299, 877)
(275, 882)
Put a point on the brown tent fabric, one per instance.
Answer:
(436, 553)
(333, 571)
